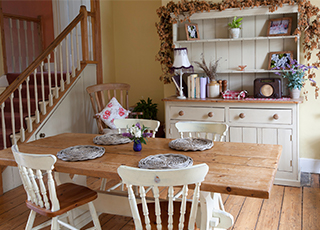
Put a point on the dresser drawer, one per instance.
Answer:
(265, 116)
(197, 113)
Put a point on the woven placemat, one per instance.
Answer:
(111, 139)
(80, 153)
(191, 144)
(166, 161)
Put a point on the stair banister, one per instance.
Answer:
(22, 77)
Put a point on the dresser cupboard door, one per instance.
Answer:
(280, 137)
(243, 134)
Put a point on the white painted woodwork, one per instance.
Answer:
(37, 113)
(3, 124)
(56, 94)
(21, 115)
(251, 49)
(28, 119)
(67, 60)
(73, 66)
(257, 126)
(61, 68)
(32, 167)
(43, 104)
(78, 48)
(13, 125)
(157, 178)
(125, 124)
(49, 81)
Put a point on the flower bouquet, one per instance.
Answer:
(295, 73)
(138, 134)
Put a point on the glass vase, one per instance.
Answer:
(137, 146)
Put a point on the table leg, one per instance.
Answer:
(213, 215)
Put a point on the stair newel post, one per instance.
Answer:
(49, 79)
(22, 134)
(84, 33)
(43, 103)
(13, 125)
(29, 119)
(37, 114)
(67, 60)
(56, 92)
(78, 49)
(3, 126)
(19, 46)
(72, 55)
(61, 68)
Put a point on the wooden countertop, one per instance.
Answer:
(221, 100)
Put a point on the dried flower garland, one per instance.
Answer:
(308, 24)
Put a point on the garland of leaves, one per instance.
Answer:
(308, 24)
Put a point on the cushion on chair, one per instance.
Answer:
(113, 110)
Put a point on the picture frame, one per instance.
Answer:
(279, 59)
(279, 27)
(192, 31)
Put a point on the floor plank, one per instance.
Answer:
(270, 211)
(311, 208)
(291, 209)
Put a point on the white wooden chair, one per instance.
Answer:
(47, 199)
(123, 125)
(168, 214)
(152, 125)
(217, 132)
(209, 130)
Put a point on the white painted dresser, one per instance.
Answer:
(263, 122)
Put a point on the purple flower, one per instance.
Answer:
(138, 125)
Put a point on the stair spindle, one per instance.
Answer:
(43, 104)
(3, 122)
(26, 41)
(12, 46)
(29, 119)
(56, 92)
(61, 68)
(19, 45)
(13, 124)
(49, 79)
(32, 37)
(36, 96)
(67, 60)
(22, 134)
(72, 55)
(78, 51)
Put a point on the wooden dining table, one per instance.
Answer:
(234, 168)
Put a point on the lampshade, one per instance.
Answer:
(181, 59)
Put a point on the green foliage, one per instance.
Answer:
(148, 108)
(236, 23)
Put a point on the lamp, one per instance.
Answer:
(181, 61)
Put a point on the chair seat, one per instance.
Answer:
(164, 214)
(70, 196)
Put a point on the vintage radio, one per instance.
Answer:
(267, 87)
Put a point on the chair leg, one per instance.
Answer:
(70, 218)
(103, 184)
(31, 218)
(94, 216)
(54, 223)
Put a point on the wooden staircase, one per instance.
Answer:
(33, 94)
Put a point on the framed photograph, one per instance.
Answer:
(192, 32)
(279, 26)
(279, 59)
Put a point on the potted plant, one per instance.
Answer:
(235, 27)
(148, 108)
(295, 73)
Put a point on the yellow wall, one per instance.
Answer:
(130, 43)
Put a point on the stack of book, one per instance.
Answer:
(193, 85)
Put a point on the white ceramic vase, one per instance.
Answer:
(214, 89)
(295, 93)
(235, 32)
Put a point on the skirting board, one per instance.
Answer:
(310, 165)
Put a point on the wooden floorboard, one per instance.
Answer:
(288, 208)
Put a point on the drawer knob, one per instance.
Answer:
(181, 113)
(241, 115)
(210, 114)
(276, 116)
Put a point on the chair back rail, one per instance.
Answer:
(40, 87)
(125, 124)
(209, 130)
(158, 178)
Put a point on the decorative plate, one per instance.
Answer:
(80, 153)
(111, 139)
(191, 144)
(165, 161)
